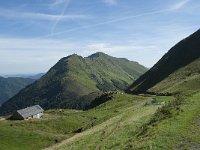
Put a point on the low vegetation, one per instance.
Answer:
(172, 126)
(57, 125)
(123, 122)
(175, 126)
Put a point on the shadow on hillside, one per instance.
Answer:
(179, 56)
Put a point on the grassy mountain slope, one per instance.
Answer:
(11, 86)
(177, 71)
(123, 122)
(58, 125)
(75, 80)
(184, 80)
(176, 125)
(173, 126)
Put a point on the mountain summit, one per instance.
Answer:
(177, 71)
(74, 80)
(98, 54)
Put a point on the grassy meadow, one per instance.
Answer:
(124, 122)
(57, 125)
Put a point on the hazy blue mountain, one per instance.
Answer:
(11, 86)
(30, 76)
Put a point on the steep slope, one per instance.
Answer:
(74, 81)
(143, 127)
(176, 71)
(11, 86)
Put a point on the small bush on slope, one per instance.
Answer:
(176, 129)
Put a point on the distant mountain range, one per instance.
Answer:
(177, 71)
(30, 76)
(11, 86)
(74, 81)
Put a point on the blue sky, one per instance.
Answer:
(34, 35)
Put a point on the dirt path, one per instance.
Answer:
(87, 132)
(102, 126)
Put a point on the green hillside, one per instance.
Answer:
(119, 118)
(177, 71)
(184, 80)
(58, 125)
(74, 81)
(11, 86)
(123, 122)
(176, 125)
(173, 126)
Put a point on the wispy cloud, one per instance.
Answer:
(67, 2)
(56, 3)
(179, 5)
(143, 32)
(105, 23)
(110, 2)
(33, 44)
(12, 14)
(46, 52)
(175, 6)
(41, 54)
(116, 48)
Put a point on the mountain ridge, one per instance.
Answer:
(179, 56)
(70, 82)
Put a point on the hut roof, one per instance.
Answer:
(30, 111)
